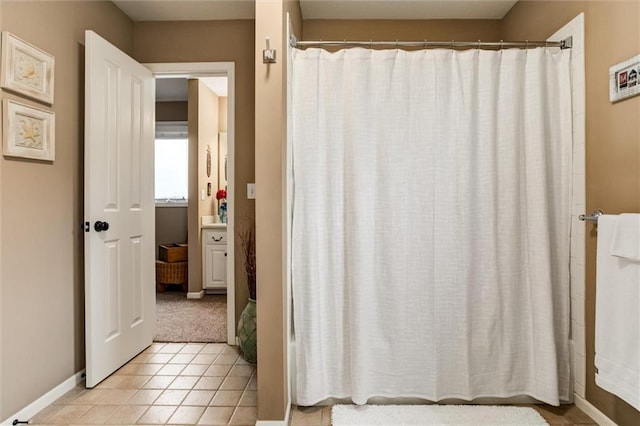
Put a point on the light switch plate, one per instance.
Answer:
(251, 191)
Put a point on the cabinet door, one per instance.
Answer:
(215, 266)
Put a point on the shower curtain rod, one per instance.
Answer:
(562, 44)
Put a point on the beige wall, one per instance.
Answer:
(42, 279)
(222, 117)
(612, 34)
(434, 30)
(203, 133)
(215, 41)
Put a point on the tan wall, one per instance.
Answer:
(215, 41)
(171, 111)
(42, 281)
(434, 30)
(171, 225)
(270, 86)
(612, 34)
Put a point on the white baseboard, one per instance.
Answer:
(47, 399)
(591, 411)
(195, 295)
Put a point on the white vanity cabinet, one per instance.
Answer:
(214, 259)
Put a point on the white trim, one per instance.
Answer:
(591, 411)
(47, 399)
(195, 294)
(211, 69)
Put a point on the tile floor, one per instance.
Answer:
(173, 383)
(197, 384)
(564, 415)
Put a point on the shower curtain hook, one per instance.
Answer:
(478, 44)
(501, 44)
(370, 43)
(526, 44)
(396, 43)
(426, 43)
(452, 41)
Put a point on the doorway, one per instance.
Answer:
(211, 171)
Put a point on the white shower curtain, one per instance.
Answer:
(430, 231)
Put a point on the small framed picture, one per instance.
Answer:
(624, 79)
(26, 70)
(27, 132)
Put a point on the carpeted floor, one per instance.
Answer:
(183, 320)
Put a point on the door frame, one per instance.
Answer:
(216, 69)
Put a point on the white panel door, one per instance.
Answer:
(119, 208)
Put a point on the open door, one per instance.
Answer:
(118, 208)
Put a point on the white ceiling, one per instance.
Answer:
(204, 10)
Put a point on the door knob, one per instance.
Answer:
(100, 226)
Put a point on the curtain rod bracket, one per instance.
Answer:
(567, 43)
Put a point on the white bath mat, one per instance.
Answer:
(399, 415)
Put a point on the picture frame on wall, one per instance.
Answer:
(624, 79)
(27, 132)
(26, 69)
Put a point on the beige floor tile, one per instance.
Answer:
(249, 399)
(216, 416)
(171, 369)
(159, 382)
(127, 370)
(208, 383)
(204, 359)
(243, 361)
(171, 397)
(127, 414)
(111, 382)
(226, 359)
(68, 414)
(141, 359)
(182, 359)
(160, 358)
(213, 348)
(154, 348)
(144, 397)
(253, 383)
(326, 415)
(244, 416)
(232, 350)
(71, 395)
(220, 370)
(172, 348)
(306, 416)
(186, 415)
(90, 397)
(184, 382)
(234, 383)
(242, 370)
(146, 369)
(226, 399)
(97, 414)
(157, 415)
(45, 413)
(199, 397)
(194, 370)
(115, 396)
(132, 382)
(192, 348)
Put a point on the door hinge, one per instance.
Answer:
(86, 226)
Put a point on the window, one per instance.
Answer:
(171, 166)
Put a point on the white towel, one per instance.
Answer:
(617, 337)
(626, 237)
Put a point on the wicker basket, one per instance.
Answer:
(171, 273)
